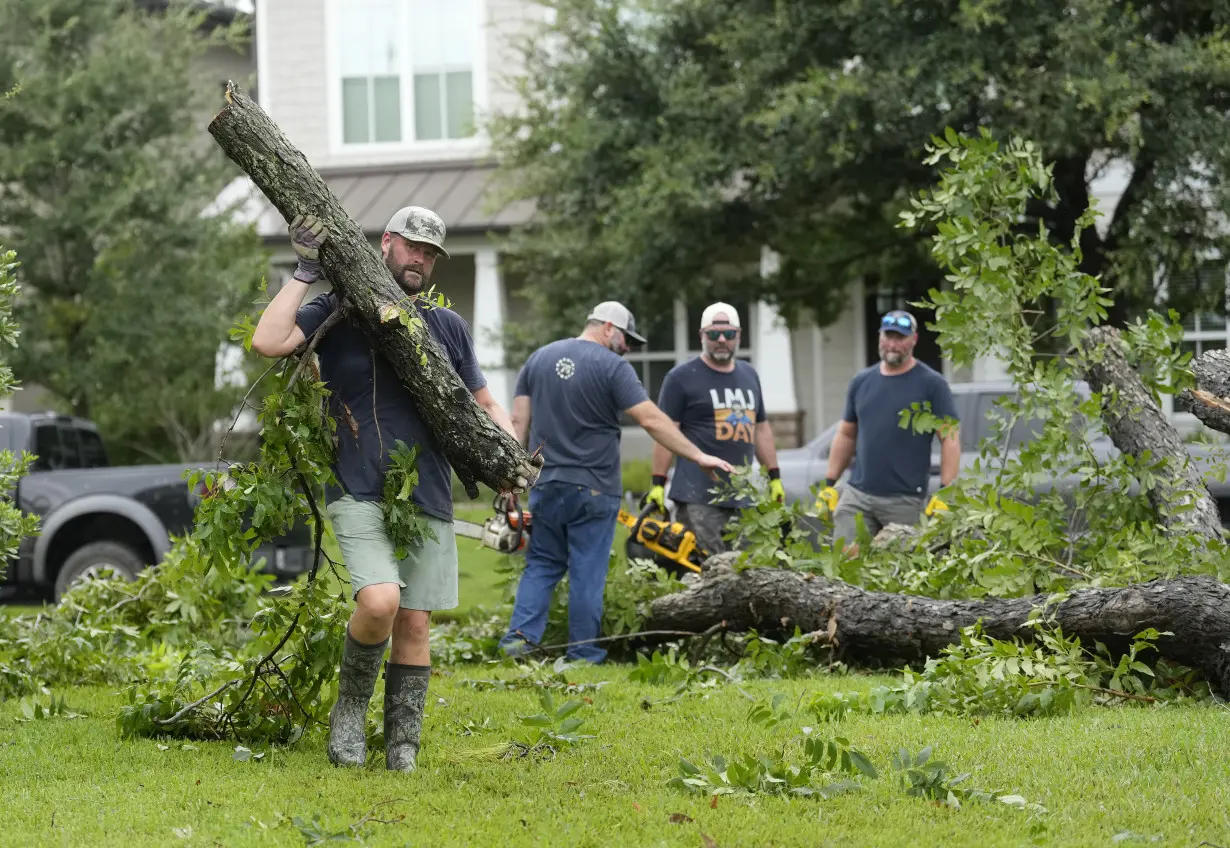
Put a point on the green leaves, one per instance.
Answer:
(402, 517)
(555, 726)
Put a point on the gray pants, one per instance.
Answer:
(878, 511)
(707, 522)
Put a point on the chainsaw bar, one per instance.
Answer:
(468, 529)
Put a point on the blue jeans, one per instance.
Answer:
(573, 527)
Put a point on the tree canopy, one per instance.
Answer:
(665, 144)
(128, 289)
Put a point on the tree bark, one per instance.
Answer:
(477, 448)
(1181, 501)
(1210, 401)
(884, 629)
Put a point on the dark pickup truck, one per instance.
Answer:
(95, 515)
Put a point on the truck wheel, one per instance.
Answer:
(90, 559)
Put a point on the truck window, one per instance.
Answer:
(48, 447)
(93, 454)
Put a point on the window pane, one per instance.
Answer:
(442, 34)
(657, 373)
(47, 447)
(93, 454)
(428, 122)
(354, 111)
(368, 39)
(460, 104)
(387, 99)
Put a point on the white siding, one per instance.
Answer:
(297, 88)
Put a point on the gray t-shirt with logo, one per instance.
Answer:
(577, 391)
(718, 412)
(890, 459)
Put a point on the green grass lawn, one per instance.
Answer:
(1107, 776)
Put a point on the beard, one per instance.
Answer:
(892, 357)
(409, 276)
(721, 354)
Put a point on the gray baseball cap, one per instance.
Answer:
(616, 313)
(417, 223)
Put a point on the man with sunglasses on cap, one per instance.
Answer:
(717, 402)
(568, 400)
(892, 465)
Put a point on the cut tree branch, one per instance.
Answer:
(888, 630)
(477, 448)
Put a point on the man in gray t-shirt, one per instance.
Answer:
(892, 465)
(567, 403)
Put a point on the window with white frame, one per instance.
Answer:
(406, 69)
(1206, 288)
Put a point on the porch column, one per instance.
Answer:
(488, 328)
(773, 357)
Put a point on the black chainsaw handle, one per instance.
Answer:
(646, 508)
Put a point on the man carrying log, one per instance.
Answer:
(374, 410)
(569, 396)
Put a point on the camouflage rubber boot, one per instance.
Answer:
(355, 685)
(405, 695)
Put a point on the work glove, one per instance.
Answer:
(657, 497)
(307, 234)
(828, 496)
(777, 491)
(935, 505)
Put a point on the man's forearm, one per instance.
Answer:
(839, 455)
(950, 461)
(500, 416)
(666, 434)
(766, 448)
(662, 459)
(278, 320)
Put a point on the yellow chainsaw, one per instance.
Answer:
(668, 543)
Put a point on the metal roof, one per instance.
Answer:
(457, 191)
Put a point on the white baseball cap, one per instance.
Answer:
(614, 312)
(715, 309)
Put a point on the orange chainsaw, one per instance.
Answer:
(507, 531)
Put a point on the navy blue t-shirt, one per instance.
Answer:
(577, 391)
(364, 389)
(718, 412)
(890, 459)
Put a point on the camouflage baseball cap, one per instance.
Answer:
(419, 224)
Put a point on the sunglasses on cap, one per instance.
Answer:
(898, 324)
(714, 335)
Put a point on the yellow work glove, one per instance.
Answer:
(657, 497)
(777, 491)
(827, 499)
(935, 505)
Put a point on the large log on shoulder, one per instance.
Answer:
(1181, 501)
(883, 629)
(476, 447)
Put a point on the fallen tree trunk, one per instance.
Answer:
(476, 447)
(884, 629)
(1182, 501)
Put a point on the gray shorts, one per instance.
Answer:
(428, 574)
(878, 511)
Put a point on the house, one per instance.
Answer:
(380, 96)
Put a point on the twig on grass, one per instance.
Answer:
(621, 636)
(190, 707)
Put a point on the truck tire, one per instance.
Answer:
(123, 560)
